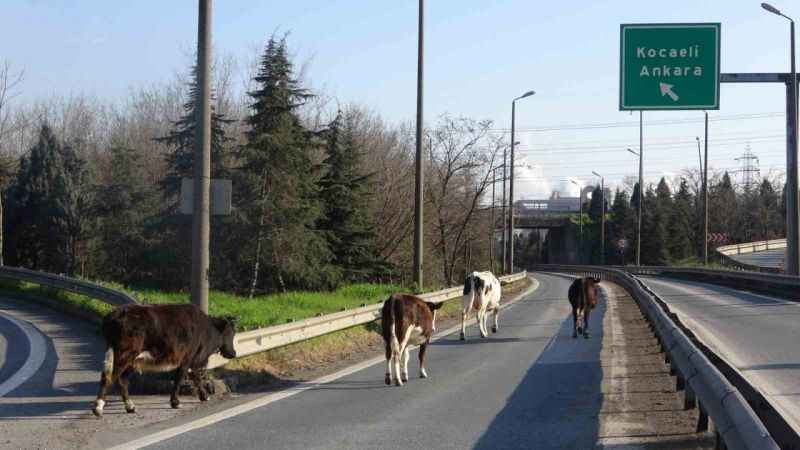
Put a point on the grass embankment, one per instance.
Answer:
(258, 312)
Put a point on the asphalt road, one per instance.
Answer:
(755, 333)
(767, 258)
(522, 388)
(11, 361)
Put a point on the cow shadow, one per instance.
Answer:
(558, 401)
(484, 341)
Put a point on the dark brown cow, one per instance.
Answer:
(583, 298)
(160, 338)
(407, 320)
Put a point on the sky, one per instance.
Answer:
(479, 55)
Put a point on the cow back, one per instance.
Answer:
(402, 311)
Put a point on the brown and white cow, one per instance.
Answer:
(160, 338)
(583, 298)
(406, 320)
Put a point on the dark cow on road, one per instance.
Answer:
(406, 320)
(583, 298)
(160, 338)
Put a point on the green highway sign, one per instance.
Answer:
(669, 66)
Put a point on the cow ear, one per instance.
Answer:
(434, 306)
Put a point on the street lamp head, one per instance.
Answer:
(697, 138)
(528, 94)
(597, 174)
(771, 8)
(634, 152)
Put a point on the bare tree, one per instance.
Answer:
(8, 90)
(461, 160)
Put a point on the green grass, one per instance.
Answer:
(259, 312)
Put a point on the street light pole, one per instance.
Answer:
(639, 213)
(792, 266)
(503, 236)
(602, 218)
(580, 221)
(494, 225)
(201, 221)
(510, 244)
(418, 187)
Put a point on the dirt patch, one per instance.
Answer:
(307, 360)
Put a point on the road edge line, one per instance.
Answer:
(37, 352)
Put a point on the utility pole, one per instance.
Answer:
(202, 161)
(792, 265)
(418, 192)
(503, 237)
(602, 218)
(705, 197)
(494, 225)
(580, 221)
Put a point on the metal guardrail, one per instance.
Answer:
(263, 339)
(87, 288)
(770, 283)
(734, 420)
(750, 247)
(726, 253)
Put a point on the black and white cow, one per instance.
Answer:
(481, 293)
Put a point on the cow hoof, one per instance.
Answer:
(175, 404)
(97, 412)
(463, 338)
(203, 396)
(398, 383)
(423, 374)
(586, 335)
(494, 329)
(98, 408)
(404, 378)
(130, 408)
(388, 379)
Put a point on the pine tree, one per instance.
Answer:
(722, 207)
(680, 224)
(182, 139)
(654, 232)
(278, 182)
(120, 210)
(46, 207)
(622, 216)
(345, 193)
(769, 223)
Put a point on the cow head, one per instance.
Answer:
(433, 307)
(227, 328)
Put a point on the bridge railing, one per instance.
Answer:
(734, 420)
(263, 339)
(726, 253)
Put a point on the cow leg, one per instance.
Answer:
(396, 360)
(422, 349)
(482, 322)
(464, 317)
(405, 365)
(197, 379)
(388, 378)
(496, 314)
(124, 380)
(180, 373)
(574, 323)
(586, 312)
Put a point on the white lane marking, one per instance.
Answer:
(274, 397)
(38, 349)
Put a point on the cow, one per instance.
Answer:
(160, 338)
(583, 298)
(481, 293)
(406, 320)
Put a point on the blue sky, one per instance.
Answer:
(479, 55)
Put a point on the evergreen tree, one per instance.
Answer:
(595, 204)
(182, 139)
(680, 225)
(120, 210)
(46, 207)
(769, 223)
(622, 216)
(278, 182)
(722, 207)
(654, 232)
(345, 193)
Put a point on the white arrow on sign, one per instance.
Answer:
(666, 89)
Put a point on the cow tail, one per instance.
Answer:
(108, 362)
(395, 343)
